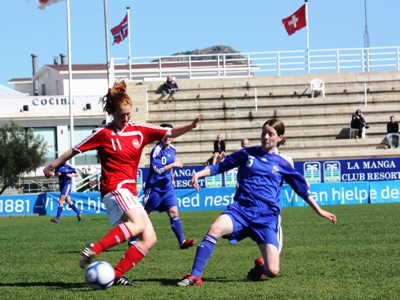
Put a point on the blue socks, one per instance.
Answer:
(203, 253)
(261, 270)
(177, 228)
(59, 211)
(74, 208)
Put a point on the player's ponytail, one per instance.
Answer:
(116, 97)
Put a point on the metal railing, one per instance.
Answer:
(275, 63)
(90, 183)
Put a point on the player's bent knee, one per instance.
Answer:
(136, 228)
(149, 240)
(215, 230)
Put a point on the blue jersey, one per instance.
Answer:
(64, 170)
(159, 179)
(260, 177)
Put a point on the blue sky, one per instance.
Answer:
(167, 27)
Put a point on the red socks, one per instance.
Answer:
(130, 259)
(115, 236)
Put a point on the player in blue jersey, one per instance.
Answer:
(65, 172)
(159, 194)
(255, 213)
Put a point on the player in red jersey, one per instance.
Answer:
(120, 144)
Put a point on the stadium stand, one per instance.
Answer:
(316, 128)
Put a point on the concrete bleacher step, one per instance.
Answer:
(316, 128)
(290, 98)
(378, 79)
(231, 146)
(200, 158)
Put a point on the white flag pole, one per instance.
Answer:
(107, 52)
(307, 39)
(71, 112)
(129, 44)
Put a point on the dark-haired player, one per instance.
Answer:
(255, 213)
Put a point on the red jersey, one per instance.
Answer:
(120, 152)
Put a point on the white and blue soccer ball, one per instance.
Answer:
(100, 275)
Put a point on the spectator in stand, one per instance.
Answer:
(65, 172)
(219, 149)
(170, 86)
(358, 122)
(392, 130)
(120, 144)
(245, 143)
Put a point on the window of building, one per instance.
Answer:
(89, 157)
(49, 135)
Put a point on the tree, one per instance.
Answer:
(20, 152)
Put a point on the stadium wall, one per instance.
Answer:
(335, 182)
(343, 193)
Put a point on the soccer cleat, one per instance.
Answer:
(123, 281)
(254, 274)
(79, 216)
(189, 280)
(55, 220)
(187, 243)
(86, 256)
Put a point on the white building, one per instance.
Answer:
(48, 112)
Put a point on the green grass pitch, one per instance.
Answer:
(356, 259)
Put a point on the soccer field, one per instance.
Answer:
(356, 259)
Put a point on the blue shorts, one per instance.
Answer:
(260, 227)
(66, 189)
(159, 201)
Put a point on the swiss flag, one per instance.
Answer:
(296, 21)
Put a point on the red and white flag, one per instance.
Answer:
(296, 21)
(120, 32)
(44, 3)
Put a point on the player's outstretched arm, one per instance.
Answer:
(179, 130)
(49, 170)
(320, 211)
(203, 173)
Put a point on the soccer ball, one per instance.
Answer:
(100, 275)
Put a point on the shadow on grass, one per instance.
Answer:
(59, 285)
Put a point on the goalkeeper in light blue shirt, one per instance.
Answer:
(255, 213)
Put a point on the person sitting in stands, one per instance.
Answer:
(219, 149)
(245, 143)
(392, 130)
(170, 86)
(358, 122)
